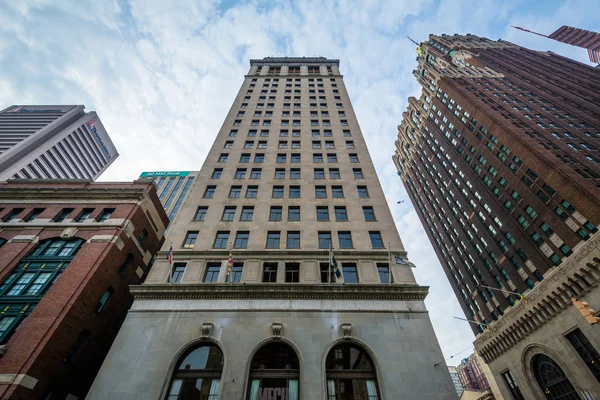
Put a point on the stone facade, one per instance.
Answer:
(291, 118)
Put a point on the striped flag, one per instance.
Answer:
(334, 265)
(229, 263)
(170, 254)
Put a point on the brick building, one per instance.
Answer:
(68, 252)
(501, 159)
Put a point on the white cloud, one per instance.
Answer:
(162, 75)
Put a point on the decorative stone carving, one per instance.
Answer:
(346, 330)
(206, 329)
(277, 328)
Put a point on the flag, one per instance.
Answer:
(403, 261)
(170, 254)
(334, 265)
(229, 263)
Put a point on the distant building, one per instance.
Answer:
(53, 142)
(456, 380)
(475, 375)
(172, 188)
(588, 40)
(68, 252)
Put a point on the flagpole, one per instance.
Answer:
(230, 264)
(329, 266)
(390, 264)
(170, 258)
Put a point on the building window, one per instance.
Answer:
(247, 213)
(294, 213)
(200, 213)
(274, 368)
(235, 192)
(223, 158)
(322, 213)
(104, 299)
(104, 215)
(357, 173)
(551, 378)
(212, 272)
(275, 213)
(293, 240)
(334, 173)
(320, 192)
(341, 214)
(221, 240)
(376, 240)
(337, 192)
(273, 238)
(142, 236)
(512, 385)
(346, 377)
(295, 158)
(586, 351)
(345, 239)
(190, 239)
(63, 214)
(369, 213)
(295, 173)
(125, 264)
(319, 173)
(240, 173)
(228, 213)
(363, 193)
(198, 373)
(384, 273)
(331, 157)
(178, 270)
(270, 272)
(251, 192)
(324, 240)
(34, 214)
(277, 192)
(292, 272)
(209, 192)
(235, 275)
(353, 157)
(294, 192)
(280, 173)
(14, 213)
(241, 240)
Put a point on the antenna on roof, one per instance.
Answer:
(527, 30)
(412, 40)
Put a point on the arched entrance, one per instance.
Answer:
(274, 373)
(197, 376)
(350, 374)
(552, 380)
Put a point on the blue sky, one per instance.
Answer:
(162, 75)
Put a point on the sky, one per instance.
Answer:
(162, 75)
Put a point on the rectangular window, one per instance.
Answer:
(384, 273)
(255, 173)
(353, 157)
(317, 158)
(586, 351)
(363, 193)
(293, 240)
(357, 173)
(349, 144)
(178, 270)
(292, 272)
(331, 158)
(259, 158)
(37, 211)
(240, 173)
(350, 273)
(83, 215)
(280, 173)
(221, 240)
(104, 215)
(273, 238)
(241, 240)
(320, 192)
(104, 299)
(247, 213)
(235, 192)
(275, 213)
(376, 240)
(294, 192)
(295, 158)
(236, 272)
(245, 158)
(270, 272)
(251, 192)
(369, 213)
(200, 213)
(277, 192)
(512, 385)
(326, 273)
(324, 240)
(337, 192)
(319, 173)
(345, 239)
(63, 214)
(209, 192)
(281, 158)
(223, 158)
(322, 213)
(228, 213)
(341, 214)
(295, 173)
(212, 272)
(217, 172)
(190, 239)
(294, 213)
(334, 173)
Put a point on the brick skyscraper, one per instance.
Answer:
(500, 157)
(288, 174)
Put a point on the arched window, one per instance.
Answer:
(552, 380)
(274, 373)
(350, 374)
(23, 289)
(197, 376)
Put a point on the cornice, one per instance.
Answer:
(280, 291)
(294, 60)
(190, 254)
(71, 194)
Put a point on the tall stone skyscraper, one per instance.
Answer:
(53, 142)
(501, 159)
(251, 307)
